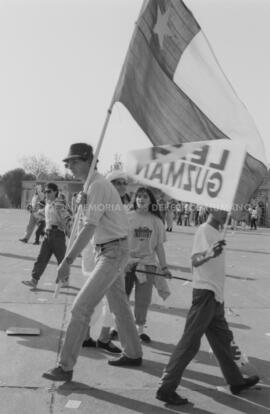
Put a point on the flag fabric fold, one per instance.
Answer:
(174, 88)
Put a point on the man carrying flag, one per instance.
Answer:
(106, 222)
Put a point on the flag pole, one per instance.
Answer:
(162, 275)
(225, 228)
(92, 167)
(85, 188)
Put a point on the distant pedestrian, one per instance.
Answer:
(186, 214)
(206, 316)
(57, 222)
(179, 213)
(193, 212)
(41, 223)
(253, 218)
(32, 208)
(74, 204)
(162, 204)
(169, 215)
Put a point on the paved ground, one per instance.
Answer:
(100, 388)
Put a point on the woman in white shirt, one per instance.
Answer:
(147, 235)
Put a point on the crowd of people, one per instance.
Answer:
(190, 214)
(127, 237)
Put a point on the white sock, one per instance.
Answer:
(140, 329)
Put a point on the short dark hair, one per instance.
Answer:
(53, 187)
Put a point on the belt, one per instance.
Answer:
(53, 227)
(112, 241)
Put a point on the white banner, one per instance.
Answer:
(205, 172)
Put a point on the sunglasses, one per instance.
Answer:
(48, 191)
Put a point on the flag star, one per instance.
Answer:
(161, 27)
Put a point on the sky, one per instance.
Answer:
(60, 61)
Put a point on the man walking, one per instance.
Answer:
(106, 224)
(206, 315)
(57, 221)
(32, 208)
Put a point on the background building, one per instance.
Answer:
(67, 187)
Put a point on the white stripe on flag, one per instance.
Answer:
(200, 76)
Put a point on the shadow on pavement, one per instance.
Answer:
(48, 339)
(30, 258)
(255, 400)
(248, 251)
(121, 401)
(182, 312)
(250, 279)
(260, 366)
(62, 292)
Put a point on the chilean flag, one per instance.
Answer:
(174, 88)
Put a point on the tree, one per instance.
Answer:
(41, 167)
(12, 182)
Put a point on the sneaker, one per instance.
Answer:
(125, 361)
(113, 334)
(109, 346)
(31, 283)
(145, 338)
(58, 374)
(89, 343)
(24, 240)
(36, 242)
(248, 382)
(171, 397)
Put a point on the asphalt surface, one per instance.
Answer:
(100, 388)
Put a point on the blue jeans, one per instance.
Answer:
(107, 279)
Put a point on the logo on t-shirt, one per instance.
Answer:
(142, 233)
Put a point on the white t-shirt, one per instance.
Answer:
(254, 213)
(146, 231)
(210, 275)
(105, 210)
(56, 215)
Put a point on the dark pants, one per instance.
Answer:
(40, 230)
(179, 218)
(143, 292)
(53, 243)
(253, 223)
(206, 316)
